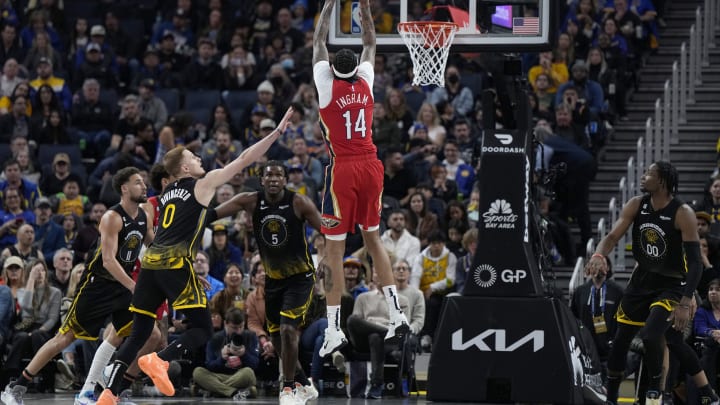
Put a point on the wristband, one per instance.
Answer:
(598, 255)
(684, 306)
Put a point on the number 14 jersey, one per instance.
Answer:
(346, 109)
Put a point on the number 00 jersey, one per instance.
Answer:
(280, 237)
(346, 110)
(130, 241)
(657, 244)
(180, 227)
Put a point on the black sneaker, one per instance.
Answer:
(375, 392)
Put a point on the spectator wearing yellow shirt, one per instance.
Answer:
(556, 71)
(70, 201)
(22, 89)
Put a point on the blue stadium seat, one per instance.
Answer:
(75, 9)
(171, 97)
(135, 28)
(5, 153)
(238, 101)
(110, 97)
(414, 100)
(198, 99)
(202, 115)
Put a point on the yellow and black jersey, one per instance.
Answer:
(130, 241)
(657, 244)
(180, 227)
(280, 237)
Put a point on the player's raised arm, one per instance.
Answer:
(368, 32)
(608, 243)
(206, 186)
(235, 204)
(320, 51)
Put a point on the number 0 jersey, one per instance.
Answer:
(280, 237)
(657, 244)
(130, 240)
(180, 227)
(346, 110)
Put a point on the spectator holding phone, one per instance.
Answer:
(588, 90)
(231, 359)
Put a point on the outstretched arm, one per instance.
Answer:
(368, 33)
(320, 51)
(205, 187)
(627, 216)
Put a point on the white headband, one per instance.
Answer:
(345, 75)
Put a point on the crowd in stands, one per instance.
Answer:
(89, 87)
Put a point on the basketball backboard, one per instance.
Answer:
(499, 25)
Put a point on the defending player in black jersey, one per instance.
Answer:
(167, 270)
(105, 288)
(667, 250)
(279, 216)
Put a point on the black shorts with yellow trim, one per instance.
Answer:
(287, 300)
(95, 300)
(180, 286)
(645, 291)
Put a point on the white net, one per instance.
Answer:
(429, 44)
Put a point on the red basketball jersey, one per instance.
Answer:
(346, 121)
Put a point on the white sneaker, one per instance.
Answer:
(85, 398)
(13, 395)
(287, 396)
(334, 340)
(304, 393)
(398, 325)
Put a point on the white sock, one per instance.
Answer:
(101, 359)
(391, 296)
(333, 315)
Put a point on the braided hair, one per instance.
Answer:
(345, 63)
(669, 175)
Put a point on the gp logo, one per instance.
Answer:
(512, 276)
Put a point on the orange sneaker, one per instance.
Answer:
(107, 398)
(156, 368)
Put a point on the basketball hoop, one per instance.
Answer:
(429, 44)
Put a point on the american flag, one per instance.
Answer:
(526, 25)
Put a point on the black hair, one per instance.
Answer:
(669, 175)
(391, 151)
(234, 316)
(255, 268)
(122, 176)
(10, 162)
(345, 61)
(157, 173)
(436, 236)
(274, 163)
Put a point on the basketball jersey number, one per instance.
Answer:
(169, 215)
(359, 125)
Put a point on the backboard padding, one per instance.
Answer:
(498, 31)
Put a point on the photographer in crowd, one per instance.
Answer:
(231, 359)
